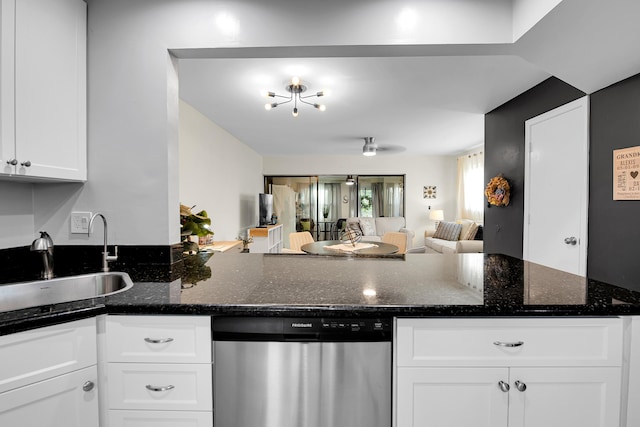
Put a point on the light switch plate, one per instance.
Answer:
(80, 222)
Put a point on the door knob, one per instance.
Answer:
(12, 162)
(26, 164)
(571, 241)
(520, 386)
(88, 386)
(503, 386)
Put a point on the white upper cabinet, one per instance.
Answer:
(43, 89)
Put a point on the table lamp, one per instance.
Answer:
(436, 215)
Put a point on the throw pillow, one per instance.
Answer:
(368, 226)
(466, 225)
(471, 232)
(448, 231)
(479, 234)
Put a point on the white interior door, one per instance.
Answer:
(556, 187)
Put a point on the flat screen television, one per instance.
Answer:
(265, 203)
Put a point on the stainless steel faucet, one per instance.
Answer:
(44, 245)
(106, 258)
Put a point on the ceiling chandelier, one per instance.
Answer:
(295, 89)
(370, 147)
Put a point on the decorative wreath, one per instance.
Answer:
(497, 191)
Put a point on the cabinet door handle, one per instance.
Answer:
(159, 387)
(508, 344)
(12, 162)
(520, 386)
(158, 341)
(88, 386)
(503, 386)
(26, 164)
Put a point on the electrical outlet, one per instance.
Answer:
(80, 222)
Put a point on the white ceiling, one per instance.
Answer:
(415, 100)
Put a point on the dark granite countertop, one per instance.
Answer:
(428, 285)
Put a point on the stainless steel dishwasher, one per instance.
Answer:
(302, 372)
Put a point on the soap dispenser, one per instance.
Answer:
(44, 245)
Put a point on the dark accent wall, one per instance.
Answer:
(614, 226)
(504, 154)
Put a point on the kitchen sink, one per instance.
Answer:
(63, 289)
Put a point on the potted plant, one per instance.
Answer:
(198, 224)
(325, 211)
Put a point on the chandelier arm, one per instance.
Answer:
(284, 102)
(315, 95)
(275, 95)
(305, 102)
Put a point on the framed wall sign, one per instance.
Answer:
(626, 174)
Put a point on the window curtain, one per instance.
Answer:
(284, 206)
(393, 200)
(353, 201)
(332, 196)
(471, 186)
(377, 199)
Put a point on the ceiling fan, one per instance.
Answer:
(370, 148)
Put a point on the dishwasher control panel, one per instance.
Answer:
(301, 329)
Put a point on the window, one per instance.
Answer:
(471, 186)
(381, 195)
(313, 203)
(366, 202)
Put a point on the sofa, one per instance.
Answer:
(461, 236)
(372, 229)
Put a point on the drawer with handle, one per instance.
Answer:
(509, 341)
(168, 387)
(159, 339)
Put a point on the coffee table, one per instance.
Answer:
(318, 248)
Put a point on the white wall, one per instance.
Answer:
(133, 151)
(218, 173)
(420, 171)
(16, 214)
(527, 13)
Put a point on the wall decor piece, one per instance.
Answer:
(626, 174)
(498, 191)
(429, 192)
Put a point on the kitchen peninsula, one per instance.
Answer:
(396, 285)
(504, 324)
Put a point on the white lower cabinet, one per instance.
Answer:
(48, 376)
(158, 371)
(461, 397)
(501, 372)
(451, 397)
(59, 401)
(159, 419)
(585, 397)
